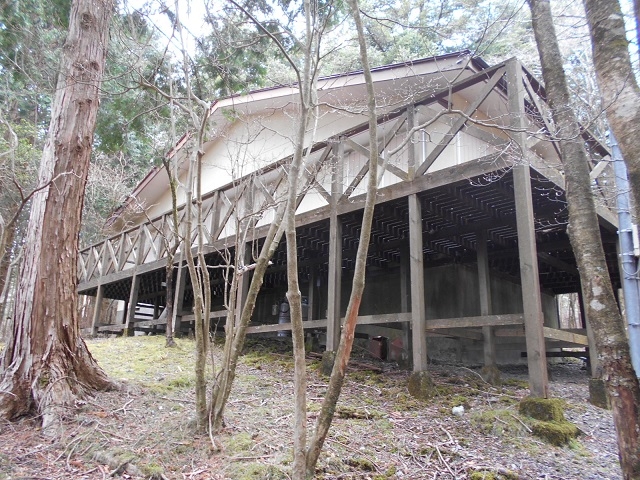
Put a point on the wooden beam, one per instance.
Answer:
(418, 307)
(543, 117)
(529, 276)
(285, 326)
(398, 172)
(476, 322)
(460, 122)
(214, 314)
(565, 336)
(457, 333)
(599, 168)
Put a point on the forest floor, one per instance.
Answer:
(380, 431)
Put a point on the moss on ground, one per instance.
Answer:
(146, 361)
(499, 422)
(489, 475)
(344, 411)
(238, 443)
(255, 471)
(361, 464)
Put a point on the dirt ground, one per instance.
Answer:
(380, 431)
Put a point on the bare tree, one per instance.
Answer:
(47, 365)
(348, 332)
(601, 308)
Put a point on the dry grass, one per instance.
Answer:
(379, 432)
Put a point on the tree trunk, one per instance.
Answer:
(293, 287)
(234, 338)
(601, 308)
(617, 83)
(49, 364)
(172, 245)
(343, 353)
(6, 240)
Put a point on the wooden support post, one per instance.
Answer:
(484, 283)
(156, 313)
(529, 278)
(418, 308)
(95, 320)
(335, 252)
(133, 301)
(244, 281)
(311, 297)
(178, 299)
(135, 285)
(405, 300)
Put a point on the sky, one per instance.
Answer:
(191, 12)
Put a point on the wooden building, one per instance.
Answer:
(469, 246)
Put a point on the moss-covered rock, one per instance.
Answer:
(421, 385)
(549, 423)
(544, 409)
(555, 433)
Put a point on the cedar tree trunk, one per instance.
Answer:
(601, 308)
(48, 365)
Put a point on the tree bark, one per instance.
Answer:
(49, 365)
(617, 83)
(601, 308)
